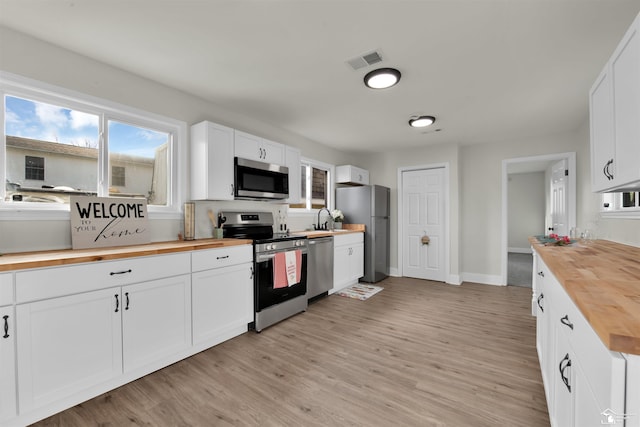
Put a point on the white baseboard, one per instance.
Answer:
(454, 279)
(520, 250)
(485, 279)
(393, 271)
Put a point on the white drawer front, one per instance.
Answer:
(207, 259)
(58, 281)
(6, 289)
(348, 239)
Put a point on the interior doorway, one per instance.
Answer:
(532, 184)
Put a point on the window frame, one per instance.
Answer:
(615, 209)
(22, 87)
(330, 187)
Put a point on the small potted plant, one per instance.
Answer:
(338, 217)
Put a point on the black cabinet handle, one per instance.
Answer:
(606, 171)
(117, 302)
(564, 364)
(113, 273)
(6, 326)
(251, 277)
(126, 295)
(222, 257)
(540, 298)
(565, 321)
(541, 273)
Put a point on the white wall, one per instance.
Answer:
(475, 170)
(526, 209)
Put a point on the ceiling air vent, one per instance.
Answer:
(365, 60)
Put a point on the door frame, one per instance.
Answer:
(570, 157)
(447, 222)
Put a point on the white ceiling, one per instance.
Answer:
(489, 70)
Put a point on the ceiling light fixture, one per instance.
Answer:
(421, 121)
(382, 78)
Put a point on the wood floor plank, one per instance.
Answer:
(417, 353)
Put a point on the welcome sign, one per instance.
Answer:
(98, 222)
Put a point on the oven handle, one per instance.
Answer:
(271, 255)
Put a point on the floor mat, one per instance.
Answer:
(360, 291)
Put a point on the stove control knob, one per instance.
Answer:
(273, 246)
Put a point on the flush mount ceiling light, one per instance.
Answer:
(382, 78)
(421, 121)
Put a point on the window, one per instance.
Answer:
(89, 147)
(118, 176)
(34, 168)
(623, 205)
(315, 181)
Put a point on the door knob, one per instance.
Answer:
(425, 240)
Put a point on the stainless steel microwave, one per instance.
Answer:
(258, 180)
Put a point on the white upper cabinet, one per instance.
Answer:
(614, 103)
(212, 175)
(253, 147)
(293, 163)
(348, 174)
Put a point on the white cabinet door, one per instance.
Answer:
(274, 152)
(156, 320)
(293, 163)
(253, 147)
(348, 260)
(348, 174)
(7, 363)
(357, 261)
(625, 77)
(614, 102)
(563, 383)
(222, 303)
(66, 345)
(601, 128)
(212, 150)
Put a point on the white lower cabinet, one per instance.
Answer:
(222, 303)
(7, 363)
(584, 381)
(156, 321)
(348, 260)
(66, 345)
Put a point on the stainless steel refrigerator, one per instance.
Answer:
(369, 205)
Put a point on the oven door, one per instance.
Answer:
(265, 293)
(258, 180)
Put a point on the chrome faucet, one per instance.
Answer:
(324, 226)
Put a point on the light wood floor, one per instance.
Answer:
(418, 353)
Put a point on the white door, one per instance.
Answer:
(559, 195)
(423, 224)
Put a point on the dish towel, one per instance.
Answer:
(286, 268)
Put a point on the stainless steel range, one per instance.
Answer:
(280, 266)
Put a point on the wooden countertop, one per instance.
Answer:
(346, 229)
(22, 260)
(603, 280)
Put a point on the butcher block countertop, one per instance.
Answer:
(346, 229)
(603, 280)
(22, 260)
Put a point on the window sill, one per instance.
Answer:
(12, 212)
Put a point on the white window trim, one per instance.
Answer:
(616, 211)
(330, 185)
(14, 85)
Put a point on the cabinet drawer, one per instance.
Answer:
(58, 281)
(6, 289)
(347, 239)
(207, 259)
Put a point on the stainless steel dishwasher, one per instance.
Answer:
(319, 266)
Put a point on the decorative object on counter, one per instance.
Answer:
(99, 222)
(555, 240)
(189, 220)
(360, 291)
(337, 217)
